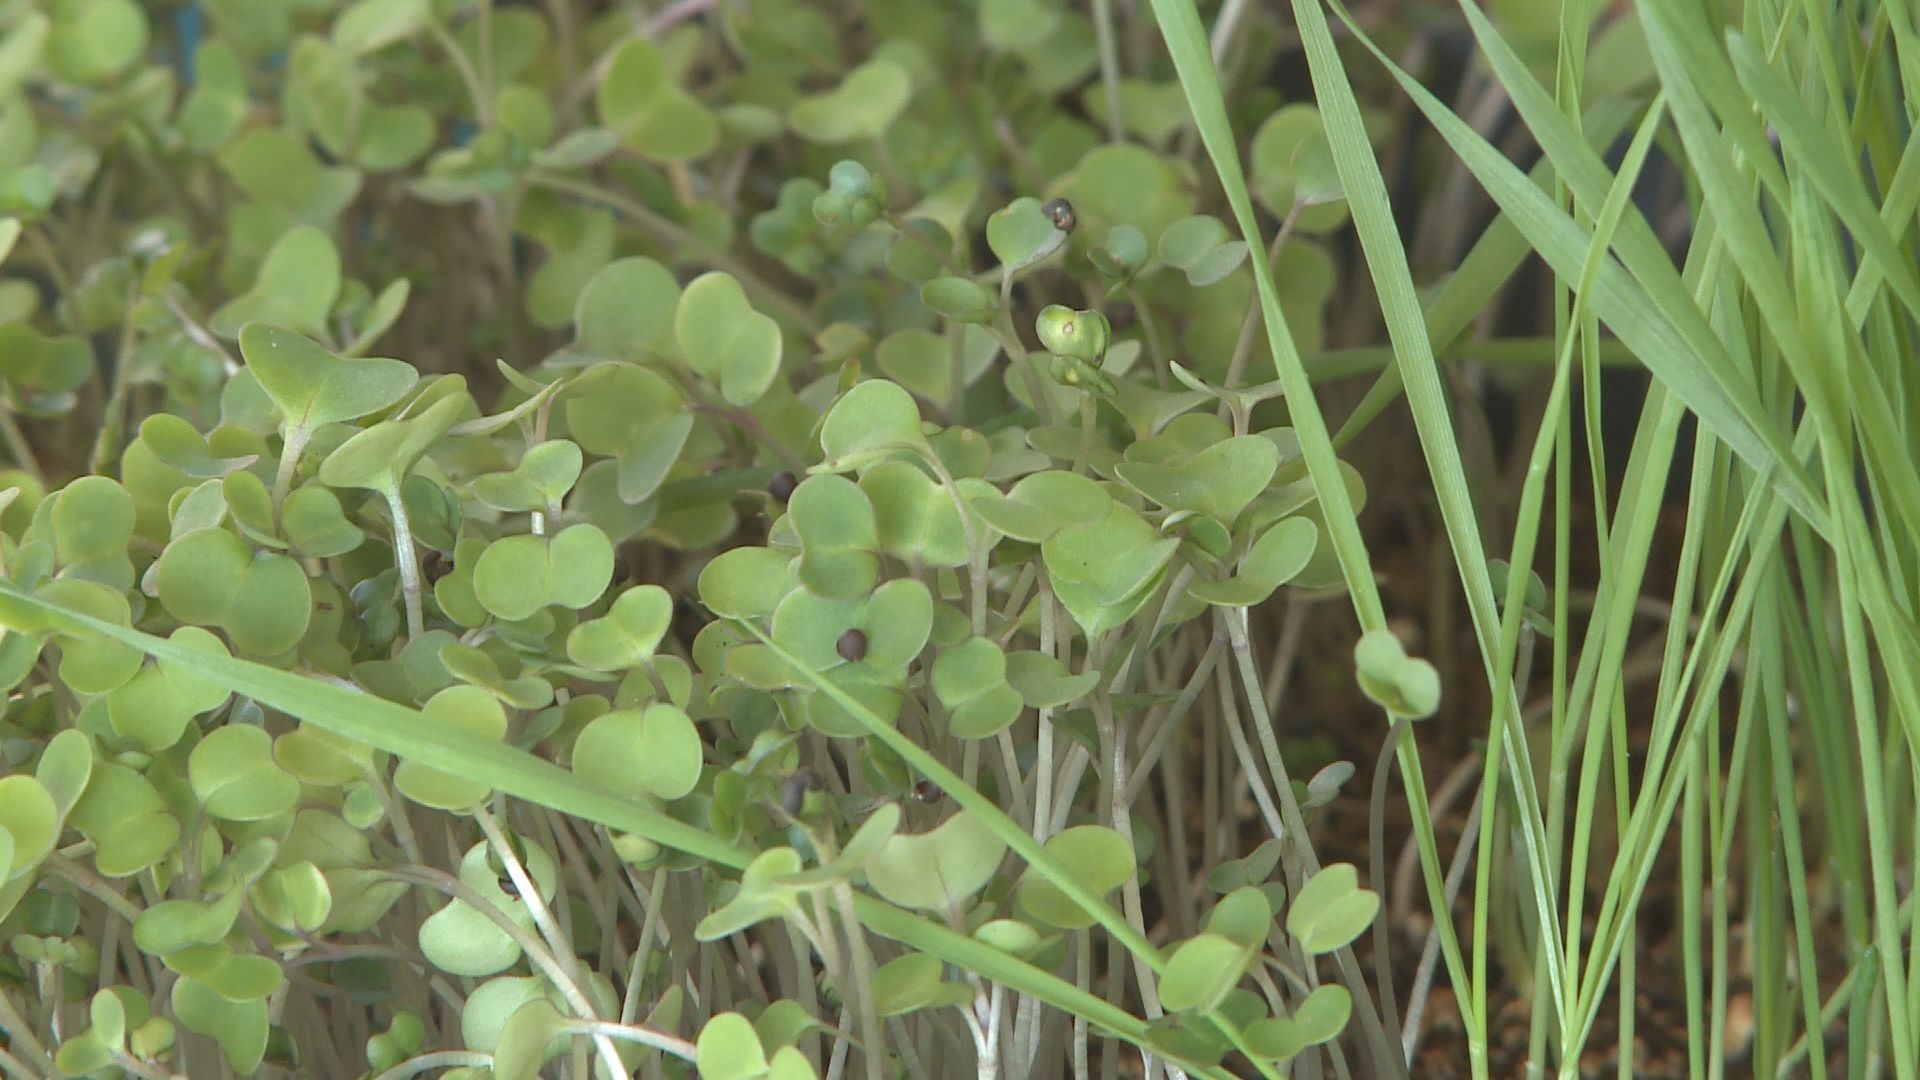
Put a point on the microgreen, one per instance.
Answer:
(779, 539)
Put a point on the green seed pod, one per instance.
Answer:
(853, 196)
(1081, 335)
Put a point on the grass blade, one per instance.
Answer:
(1486, 269)
(1007, 830)
(1187, 43)
(1193, 60)
(1393, 282)
(408, 734)
(1656, 320)
(1813, 148)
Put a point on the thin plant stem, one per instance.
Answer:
(873, 1052)
(944, 257)
(1430, 952)
(957, 379)
(643, 948)
(529, 893)
(843, 1039)
(1026, 1032)
(561, 14)
(407, 558)
(1082, 977)
(1250, 324)
(22, 1035)
(674, 14)
(113, 417)
(1243, 753)
(536, 949)
(1170, 720)
(1109, 69)
(17, 445)
(1082, 456)
(1150, 329)
(1120, 816)
(439, 1059)
(93, 885)
(202, 337)
(1226, 26)
(484, 20)
(976, 550)
(293, 443)
(476, 87)
(1017, 353)
(140, 1068)
(634, 1033)
(1301, 845)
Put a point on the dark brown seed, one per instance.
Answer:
(435, 565)
(1060, 212)
(782, 485)
(926, 791)
(852, 646)
(794, 792)
(507, 886)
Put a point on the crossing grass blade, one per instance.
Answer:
(1193, 60)
(1729, 340)
(410, 735)
(1493, 260)
(1393, 283)
(1359, 173)
(1008, 831)
(1649, 309)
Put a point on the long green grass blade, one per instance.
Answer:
(1007, 830)
(1659, 324)
(408, 734)
(1812, 147)
(1393, 283)
(1193, 60)
(389, 727)
(1492, 261)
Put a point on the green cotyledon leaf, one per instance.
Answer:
(398, 730)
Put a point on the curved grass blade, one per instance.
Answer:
(1813, 149)
(1653, 315)
(1488, 265)
(408, 734)
(384, 725)
(1393, 283)
(997, 822)
(1193, 60)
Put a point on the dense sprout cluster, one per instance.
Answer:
(756, 651)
